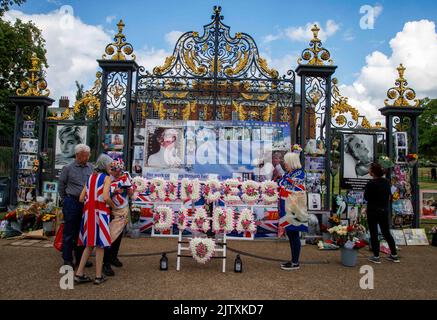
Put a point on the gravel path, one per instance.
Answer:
(33, 273)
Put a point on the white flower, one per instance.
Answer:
(140, 183)
(227, 214)
(190, 189)
(165, 220)
(182, 219)
(231, 191)
(213, 187)
(253, 188)
(200, 221)
(172, 190)
(245, 222)
(157, 189)
(202, 246)
(269, 192)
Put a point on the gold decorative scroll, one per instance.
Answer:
(269, 111)
(119, 50)
(242, 114)
(33, 84)
(241, 64)
(402, 95)
(165, 67)
(264, 67)
(189, 57)
(159, 107)
(64, 116)
(315, 55)
(180, 95)
(186, 112)
(261, 97)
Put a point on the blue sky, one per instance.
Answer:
(148, 23)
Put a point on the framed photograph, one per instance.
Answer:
(401, 155)
(353, 214)
(115, 117)
(50, 187)
(315, 163)
(67, 138)
(139, 135)
(416, 237)
(313, 182)
(344, 222)
(358, 152)
(25, 194)
(138, 152)
(51, 197)
(401, 140)
(428, 204)
(314, 201)
(165, 147)
(28, 129)
(137, 167)
(398, 236)
(355, 197)
(29, 146)
(115, 154)
(25, 161)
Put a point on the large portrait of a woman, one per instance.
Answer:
(165, 148)
(358, 154)
(67, 138)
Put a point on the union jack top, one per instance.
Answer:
(94, 229)
(290, 182)
(122, 183)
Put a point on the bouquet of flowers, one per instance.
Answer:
(412, 159)
(386, 162)
(348, 236)
(334, 220)
(296, 148)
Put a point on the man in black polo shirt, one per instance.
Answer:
(71, 182)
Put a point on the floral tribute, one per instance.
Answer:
(200, 221)
(212, 190)
(163, 218)
(172, 190)
(245, 222)
(140, 184)
(351, 237)
(223, 220)
(182, 219)
(190, 190)
(157, 189)
(269, 192)
(250, 191)
(202, 249)
(231, 191)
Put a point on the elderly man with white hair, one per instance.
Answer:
(71, 182)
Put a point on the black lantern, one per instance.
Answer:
(238, 265)
(163, 263)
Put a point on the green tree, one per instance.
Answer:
(80, 92)
(428, 130)
(18, 41)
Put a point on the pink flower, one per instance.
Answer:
(156, 217)
(246, 223)
(189, 188)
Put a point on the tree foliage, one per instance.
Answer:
(18, 41)
(428, 130)
(6, 4)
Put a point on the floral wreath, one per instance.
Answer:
(157, 189)
(250, 191)
(190, 189)
(231, 190)
(200, 221)
(202, 249)
(296, 148)
(163, 218)
(212, 190)
(245, 222)
(182, 220)
(172, 190)
(140, 183)
(269, 192)
(223, 220)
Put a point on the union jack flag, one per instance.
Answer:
(95, 220)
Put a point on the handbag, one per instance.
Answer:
(58, 239)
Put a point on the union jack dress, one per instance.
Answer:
(94, 228)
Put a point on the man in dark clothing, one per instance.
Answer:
(433, 174)
(71, 182)
(377, 194)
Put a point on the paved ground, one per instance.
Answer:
(32, 272)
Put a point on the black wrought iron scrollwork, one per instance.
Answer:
(218, 73)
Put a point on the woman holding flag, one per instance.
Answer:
(293, 205)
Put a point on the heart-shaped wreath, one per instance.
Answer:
(202, 249)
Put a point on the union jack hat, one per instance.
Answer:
(117, 164)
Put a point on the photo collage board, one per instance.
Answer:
(402, 208)
(315, 172)
(27, 158)
(114, 139)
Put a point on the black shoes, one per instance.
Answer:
(290, 266)
(107, 270)
(116, 263)
(100, 280)
(81, 279)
